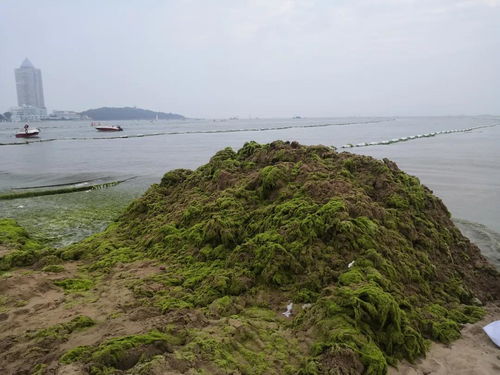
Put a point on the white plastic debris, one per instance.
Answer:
(288, 311)
(493, 332)
(350, 264)
(21, 206)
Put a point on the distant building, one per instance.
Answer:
(30, 101)
(66, 115)
(29, 85)
(28, 113)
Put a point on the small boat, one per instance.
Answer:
(27, 132)
(107, 128)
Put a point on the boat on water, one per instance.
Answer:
(28, 132)
(107, 128)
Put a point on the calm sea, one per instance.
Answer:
(461, 167)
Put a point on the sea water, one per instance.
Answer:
(460, 165)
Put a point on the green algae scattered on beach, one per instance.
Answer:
(75, 285)
(111, 352)
(20, 248)
(55, 268)
(60, 331)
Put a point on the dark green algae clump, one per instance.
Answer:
(369, 257)
(17, 247)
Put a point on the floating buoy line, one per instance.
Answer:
(413, 137)
(285, 127)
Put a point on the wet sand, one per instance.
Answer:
(473, 354)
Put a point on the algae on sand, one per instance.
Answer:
(20, 249)
(242, 236)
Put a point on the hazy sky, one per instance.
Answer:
(266, 58)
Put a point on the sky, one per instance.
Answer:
(258, 58)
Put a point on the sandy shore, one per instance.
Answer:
(473, 354)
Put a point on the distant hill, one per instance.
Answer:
(128, 113)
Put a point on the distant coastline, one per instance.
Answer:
(128, 113)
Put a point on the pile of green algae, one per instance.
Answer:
(370, 259)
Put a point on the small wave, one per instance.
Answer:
(413, 137)
(485, 238)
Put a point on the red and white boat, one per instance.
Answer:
(107, 128)
(27, 132)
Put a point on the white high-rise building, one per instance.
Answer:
(29, 85)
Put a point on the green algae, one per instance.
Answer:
(252, 342)
(23, 250)
(39, 369)
(365, 318)
(196, 286)
(55, 268)
(71, 218)
(370, 250)
(117, 353)
(62, 330)
(15, 237)
(75, 285)
(3, 303)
